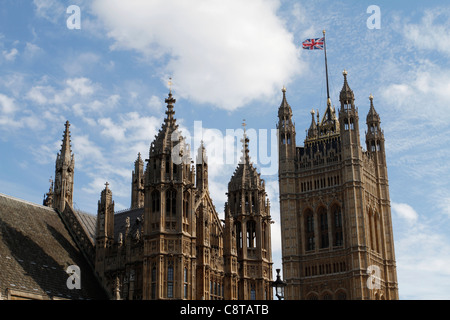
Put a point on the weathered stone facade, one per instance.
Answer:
(171, 243)
(337, 238)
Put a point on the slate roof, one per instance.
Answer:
(35, 251)
(89, 223)
(136, 221)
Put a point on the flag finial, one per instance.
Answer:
(170, 83)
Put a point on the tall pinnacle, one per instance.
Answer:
(66, 148)
(170, 103)
(372, 114)
(346, 96)
(245, 150)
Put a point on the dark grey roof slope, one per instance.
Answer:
(89, 223)
(136, 221)
(35, 251)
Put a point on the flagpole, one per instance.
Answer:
(326, 65)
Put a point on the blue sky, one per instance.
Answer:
(229, 61)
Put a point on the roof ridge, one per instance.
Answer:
(26, 202)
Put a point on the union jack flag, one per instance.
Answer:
(313, 44)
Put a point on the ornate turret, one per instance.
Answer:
(374, 134)
(245, 176)
(64, 173)
(249, 210)
(48, 197)
(348, 117)
(346, 97)
(202, 169)
(105, 218)
(286, 136)
(312, 131)
(372, 115)
(169, 152)
(137, 184)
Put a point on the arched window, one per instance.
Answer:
(352, 124)
(312, 296)
(171, 202)
(185, 283)
(264, 235)
(337, 226)
(156, 201)
(186, 205)
(323, 217)
(376, 237)
(327, 296)
(238, 235)
(372, 147)
(153, 283)
(341, 295)
(253, 292)
(251, 234)
(346, 127)
(309, 230)
(170, 281)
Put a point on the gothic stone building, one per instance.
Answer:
(172, 244)
(337, 239)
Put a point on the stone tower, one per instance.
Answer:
(337, 239)
(105, 229)
(175, 246)
(137, 184)
(64, 174)
(169, 219)
(248, 213)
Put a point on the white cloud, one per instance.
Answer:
(87, 152)
(423, 256)
(11, 55)
(131, 128)
(52, 10)
(221, 53)
(405, 211)
(431, 33)
(31, 50)
(155, 104)
(422, 94)
(80, 63)
(81, 86)
(7, 104)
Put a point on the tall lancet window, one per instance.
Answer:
(309, 230)
(251, 234)
(337, 226)
(238, 227)
(323, 216)
(171, 202)
(156, 201)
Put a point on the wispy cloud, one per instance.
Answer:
(431, 32)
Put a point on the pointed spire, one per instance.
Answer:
(201, 154)
(312, 131)
(170, 105)
(66, 148)
(245, 150)
(346, 97)
(285, 110)
(139, 160)
(372, 115)
(163, 142)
